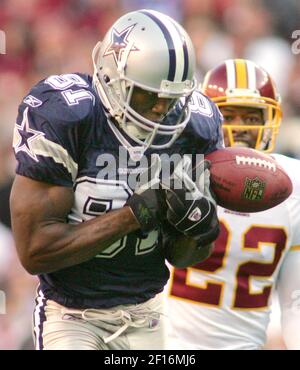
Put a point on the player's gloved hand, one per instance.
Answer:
(147, 201)
(191, 208)
(203, 184)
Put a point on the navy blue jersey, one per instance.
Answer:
(62, 137)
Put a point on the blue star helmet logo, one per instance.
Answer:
(119, 42)
(24, 137)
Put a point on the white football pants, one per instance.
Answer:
(127, 327)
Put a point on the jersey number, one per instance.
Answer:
(200, 104)
(212, 292)
(99, 202)
(64, 82)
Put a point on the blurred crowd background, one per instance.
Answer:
(45, 37)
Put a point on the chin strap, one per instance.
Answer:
(135, 152)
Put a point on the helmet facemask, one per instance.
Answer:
(267, 132)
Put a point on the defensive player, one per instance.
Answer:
(96, 238)
(225, 301)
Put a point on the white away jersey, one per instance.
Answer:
(224, 302)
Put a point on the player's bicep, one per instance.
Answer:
(34, 205)
(289, 297)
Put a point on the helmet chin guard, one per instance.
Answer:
(148, 50)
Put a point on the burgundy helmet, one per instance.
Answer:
(241, 82)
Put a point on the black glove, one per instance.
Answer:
(191, 211)
(147, 201)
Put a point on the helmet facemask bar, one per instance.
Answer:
(266, 133)
(265, 136)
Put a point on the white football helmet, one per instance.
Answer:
(148, 50)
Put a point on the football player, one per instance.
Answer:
(224, 302)
(96, 239)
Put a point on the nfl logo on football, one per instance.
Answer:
(254, 189)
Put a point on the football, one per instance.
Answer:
(246, 180)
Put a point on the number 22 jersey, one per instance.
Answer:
(224, 302)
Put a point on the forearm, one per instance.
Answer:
(56, 245)
(183, 252)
